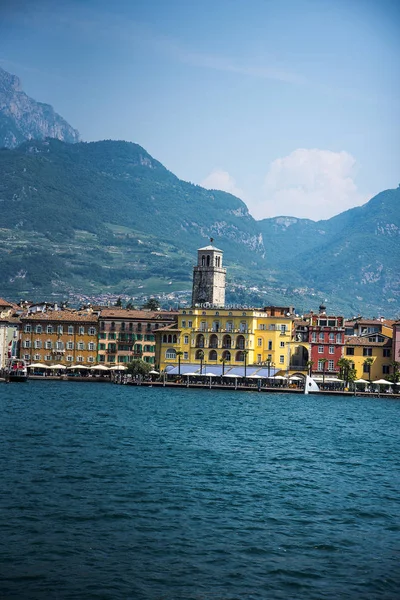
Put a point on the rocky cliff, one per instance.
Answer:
(22, 118)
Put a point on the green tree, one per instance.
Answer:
(138, 367)
(367, 367)
(129, 305)
(119, 302)
(347, 370)
(323, 361)
(201, 357)
(396, 371)
(309, 365)
(151, 304)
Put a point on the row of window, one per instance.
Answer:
(321, 349)
(386, 352)
(330, 364)
(170, 354)
(69, 358)
(123, 358)
(59, 329)
(229, 326)
(130, 326)
(322, 337)
(59, 345)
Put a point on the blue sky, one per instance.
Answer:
(292, 105)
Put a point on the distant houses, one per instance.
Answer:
(208, 337)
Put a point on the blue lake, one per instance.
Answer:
(117, 492)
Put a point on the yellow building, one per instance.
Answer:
(219, 338)
(371, 355)
(65, 337)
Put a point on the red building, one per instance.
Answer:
(326, 339)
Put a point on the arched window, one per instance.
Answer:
(112, 325)
(240, 342)
(213, 341)
(226, 355)
(165, 339)
(199, 354)
(240, 356)
(212, 355)
(208, 260)
(227, 341)
(169, 339)
(174, 339)
(203, 261)
(170, 353)
(200, 340)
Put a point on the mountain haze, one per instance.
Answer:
(22, 118)
(106, 216)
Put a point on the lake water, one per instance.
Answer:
(112, 492)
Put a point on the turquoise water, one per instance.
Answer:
(112, 492)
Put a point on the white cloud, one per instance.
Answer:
(221, 180)
(314, 184)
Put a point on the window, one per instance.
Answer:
(320, 349)
(79, 358)
(70, 345)
(283, 329)
(281, 359)
(92, 331)
(39, 329)
(81, 331)
(185, 355)
(47, 357)
(338, 338)
(59, 329)
(190, 323)
(258, 358)
(90, 359)
(314, 337)
(331, 337)
(48, 345)
(28, 328)
(27, 356)
(139, 327)
(71, 329)
(331, 322)
(366, 368)
(322, 322)
(367, 351)
(331, 365)
(331, 349)
(320, 366)
(27, 344)
(386, 369)
(321, 336)
(70, 358)
(81, 346)
(386, 352)
(102, 346)
(123, 326)
(259, 342)
(37, 357)
(38, 344)
(59, 345)
(186, 339)
(49, 329)
(269, 344)
(91, 346)
(102, 358)
(170, 353)
(349, 351)
(184, 323)
(282, 344)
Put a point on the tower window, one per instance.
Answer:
(203, 260)
(208, 260)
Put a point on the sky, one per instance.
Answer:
(292, 105)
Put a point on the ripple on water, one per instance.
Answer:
(118, 492)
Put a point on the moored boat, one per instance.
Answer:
(16, 370)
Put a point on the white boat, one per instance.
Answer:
(16, 370)
(311, 385)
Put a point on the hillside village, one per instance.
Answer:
(208, 337)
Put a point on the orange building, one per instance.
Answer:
(64, 336)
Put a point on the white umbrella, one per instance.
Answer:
(361, 381)
(383, 382)
(254, 376)
(57, 367)
(99, 368)
(210, 375)
(231, 375)
(279, 377)
(154, 373)
(116, 368)
(78, 367)
(295, 378)
(39, 366)
(190, 374)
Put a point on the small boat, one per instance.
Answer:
(16, 370)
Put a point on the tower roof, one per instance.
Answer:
(208, 248)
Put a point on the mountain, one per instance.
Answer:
(107, 217)
(22, 118)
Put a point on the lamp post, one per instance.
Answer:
(179, 354)
(245, 353)
(201, 356)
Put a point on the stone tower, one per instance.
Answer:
(209, 277)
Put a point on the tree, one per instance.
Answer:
(129, 305)
(201, 357)
(179, 354)
(347, 370)
(396, 371)
(119, 302)
(223, 361)
(310, 364)
(367, 367)
(245, 353)
(151, 304)
(138, 367)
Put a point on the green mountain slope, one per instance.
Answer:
(108, 217)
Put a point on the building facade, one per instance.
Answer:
(326, 340)
(64, 337)
(209, 278)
